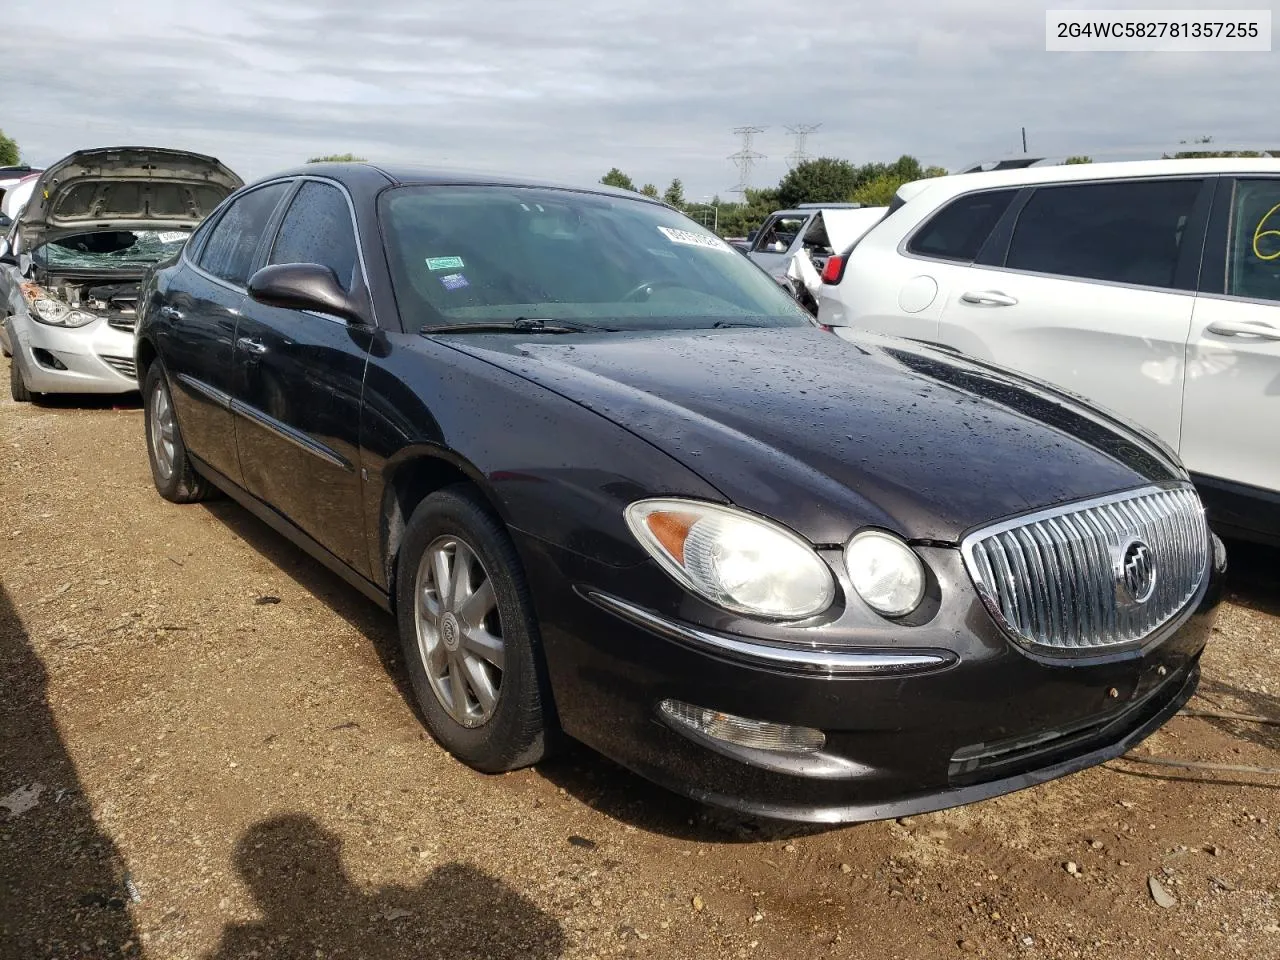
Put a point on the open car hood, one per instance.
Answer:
(123, 188)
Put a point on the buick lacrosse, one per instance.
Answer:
(614, 483)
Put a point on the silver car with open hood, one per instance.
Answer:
(74, 258)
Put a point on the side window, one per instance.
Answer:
(815, 238)
(779, 233)
(1120, 232)
(958, 230)
(317, 229)
(229, 251)
(1253, 251)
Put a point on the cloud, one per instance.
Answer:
(567, 90)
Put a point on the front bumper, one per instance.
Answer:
(97, 358)
(984, 719)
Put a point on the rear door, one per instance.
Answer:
(298, 382)
(1091, 286)
(197, 318)
(1231, 407)
(897, 285)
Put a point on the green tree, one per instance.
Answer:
(337, 158)
(9, 153)
(879, 191)
(616, 178)
(739, 219)
(825, 180)
(649, 190)
(1078, 159)
(674, 194)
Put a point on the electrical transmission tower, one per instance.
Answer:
(745, 158)
(801, 132)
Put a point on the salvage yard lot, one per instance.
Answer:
(230, 763)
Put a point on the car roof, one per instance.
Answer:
(409, 174)
(955, 184)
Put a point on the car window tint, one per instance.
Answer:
(229, 251)
(317, 229)
(779, 233)
(1253, 254)
(958, 230)
(1119, 232)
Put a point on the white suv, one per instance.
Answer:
(1151, 288)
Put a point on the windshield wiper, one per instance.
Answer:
(518, 325)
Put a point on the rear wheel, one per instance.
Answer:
(468, 635)
(17, 386)
(171, 469)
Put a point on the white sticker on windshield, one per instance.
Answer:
(691, 239)
(171, 236)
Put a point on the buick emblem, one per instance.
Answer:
(1138, 571)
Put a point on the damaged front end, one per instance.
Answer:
(67, 303)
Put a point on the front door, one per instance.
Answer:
(777, 240)
(299, 382)
(1231, 406)
(1094, 294)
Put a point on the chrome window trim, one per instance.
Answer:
(794, 659)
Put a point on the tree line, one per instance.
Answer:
(824, 180)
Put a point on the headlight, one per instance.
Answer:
(732, 558)
(885, 572)
(58, 314)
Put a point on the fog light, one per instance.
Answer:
(47, 359)
(756, 734)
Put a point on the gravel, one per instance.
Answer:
(223, 774)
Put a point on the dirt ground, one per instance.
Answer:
(221, 775)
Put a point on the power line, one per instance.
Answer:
(801, 132)
(745, 158)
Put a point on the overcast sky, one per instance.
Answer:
(568, 89)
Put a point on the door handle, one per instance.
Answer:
(249, 345)
(170, 313)
(989, 298)
(1244, 328)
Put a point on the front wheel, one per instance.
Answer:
(469, 637)
(174, 475)
(17, 386)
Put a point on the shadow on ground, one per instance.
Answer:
(89, 401)
(1253, 576)
(310, 908)
(62, 881)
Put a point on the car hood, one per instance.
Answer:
(123, 188)
(829, 435)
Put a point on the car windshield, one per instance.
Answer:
(466, 254)
(110, 249)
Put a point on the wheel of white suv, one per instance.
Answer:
(469, 637)
(174, 475)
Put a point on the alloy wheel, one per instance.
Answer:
(459, 631)
(162, 431)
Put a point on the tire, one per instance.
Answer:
(174, 475)
(17, 386)
(519, 727)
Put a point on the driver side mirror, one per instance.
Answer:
(304, 286)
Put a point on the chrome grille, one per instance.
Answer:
(126, 322)
(1057, 579)
(122, 365)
